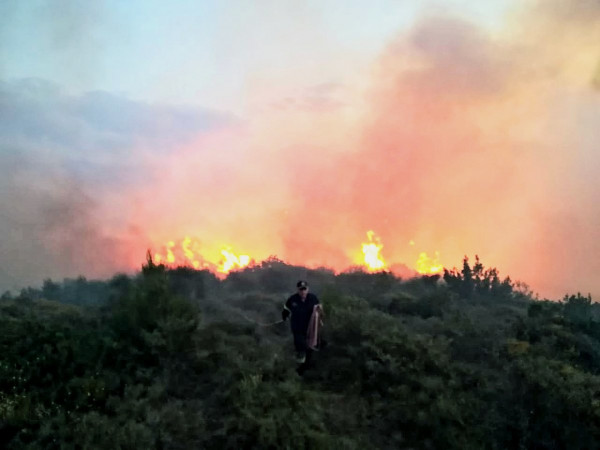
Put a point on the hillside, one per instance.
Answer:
(178, 359)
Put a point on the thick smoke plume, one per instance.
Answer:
(457, 139)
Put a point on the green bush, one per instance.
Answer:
(177, 359)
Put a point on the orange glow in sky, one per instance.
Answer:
(448, 133)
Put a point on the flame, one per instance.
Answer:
(187, 253)
(232, 261)
(170, 256)
(221, 260)
(186, 246)
(427, 265)
(371, 249)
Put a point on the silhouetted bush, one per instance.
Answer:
(180, 359)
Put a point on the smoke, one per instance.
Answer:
(456, 139)
(50, 226)
(474, 144)
(65, 163)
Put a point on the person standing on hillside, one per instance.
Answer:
(301, 306)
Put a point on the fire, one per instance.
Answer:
(232, 261)
(187, 252)
(427, 265)
(221, 260)
(371, 249)
(188, 248)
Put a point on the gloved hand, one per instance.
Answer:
(285, 314)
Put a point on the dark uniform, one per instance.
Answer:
(301, 311)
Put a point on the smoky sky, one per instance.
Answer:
(62, 158)
(456, 139)
(475, 145)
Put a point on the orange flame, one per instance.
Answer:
(188, 250)
(232, 261)
(371, 249)
(427, 265)
(188, 253)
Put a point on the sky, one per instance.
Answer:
(293, 128)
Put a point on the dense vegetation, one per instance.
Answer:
(177, 359)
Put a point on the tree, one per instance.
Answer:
(578, 309)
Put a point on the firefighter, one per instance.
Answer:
(300, 306)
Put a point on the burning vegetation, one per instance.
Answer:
(189, 252)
